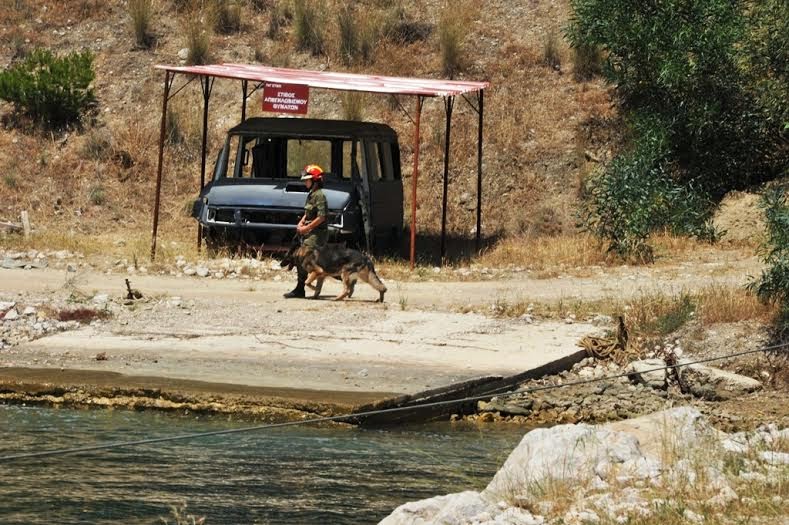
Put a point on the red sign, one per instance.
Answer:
(285, 98)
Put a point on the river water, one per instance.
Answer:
(288, 475)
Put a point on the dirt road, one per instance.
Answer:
(204, 332)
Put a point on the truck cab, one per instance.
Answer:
(256, 196)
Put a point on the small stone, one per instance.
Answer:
(28, 311)
(202, 271)
(189, 271)
(183, 53)
(101, 298)
(71, 267)
(101, 356)
(11, 315)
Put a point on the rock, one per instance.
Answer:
(101, 298)
(560, 453)
(775, 458)
(692, 517)
(189, 271)
(201, 271)
(462, 507)
(28, 311)
(101, 356)
(643, 372)
(509, 408)
(6, 305)
(10, 264)
(70, 267)
(11, 315)
(726, 384)
(183, 53)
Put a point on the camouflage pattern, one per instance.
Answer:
(316, 207)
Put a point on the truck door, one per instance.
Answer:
(386, 191)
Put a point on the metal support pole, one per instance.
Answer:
(448, 103)
(244, 85)
(162, 129)
(479, 174)
(414, 179)
(207, 83)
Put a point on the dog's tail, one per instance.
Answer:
(374, 280)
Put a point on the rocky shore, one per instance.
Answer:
(668, 467)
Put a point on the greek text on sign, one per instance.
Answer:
(285, 98)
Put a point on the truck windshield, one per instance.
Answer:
(275, 158)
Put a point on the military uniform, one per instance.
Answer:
(315, 207)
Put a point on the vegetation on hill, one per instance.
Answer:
(704, 91)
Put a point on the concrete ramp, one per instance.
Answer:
(402, 352)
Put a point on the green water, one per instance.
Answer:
(287, 475)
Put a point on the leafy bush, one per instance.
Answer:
(639, 193)
(51, 90)
(773, 285)
(690, 66)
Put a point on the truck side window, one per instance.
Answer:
(372, 161)
(240, 163)
(385, 158)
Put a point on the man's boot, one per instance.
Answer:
(296, 293)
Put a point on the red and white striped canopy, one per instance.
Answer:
(331, 80)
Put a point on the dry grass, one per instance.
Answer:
(540, 253)
(226, 15)
(198, 39)
(536, 148)
(309, 25)
(141, 14)
(651, 314)
(353, 104)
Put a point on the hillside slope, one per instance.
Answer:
(541, 126)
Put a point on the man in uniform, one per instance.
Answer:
(313, 227)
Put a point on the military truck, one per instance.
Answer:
(256, 196)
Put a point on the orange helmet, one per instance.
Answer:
(312, 172)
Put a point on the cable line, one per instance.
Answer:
(344, 417)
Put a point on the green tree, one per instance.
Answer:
(688, 71)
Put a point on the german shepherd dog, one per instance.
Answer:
(336, 261)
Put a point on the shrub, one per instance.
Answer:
(51, 90)
(773, 285)
(280, 17)
(697, 74)
(308, 26)
(98, 145)
(141, 12)
(227, 16)
(639, 193)
(587, 63)
(450, 36)
(198, 41)
(398, 28)
(551, 54)
(97, 196)
(353, 105)
(349, 35)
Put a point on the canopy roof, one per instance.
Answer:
(331, 80)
